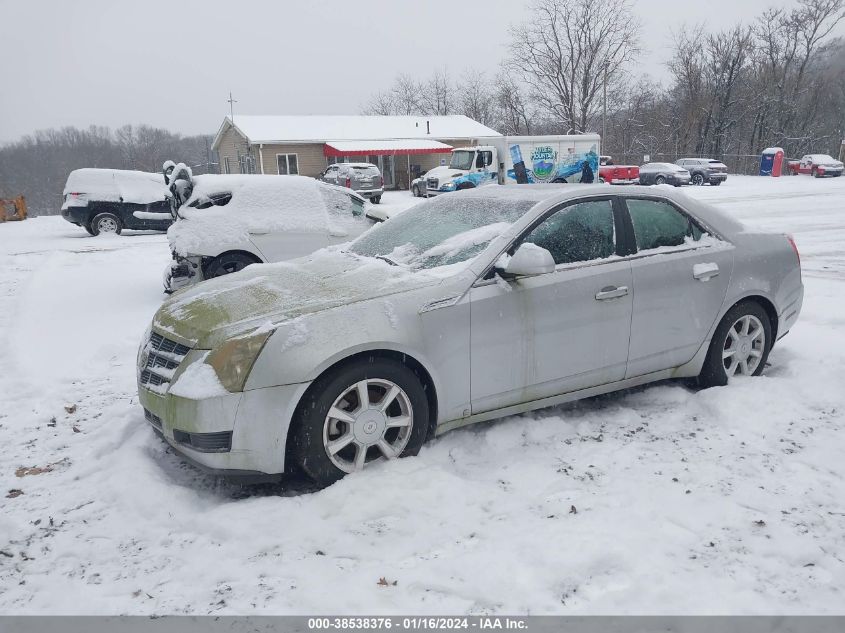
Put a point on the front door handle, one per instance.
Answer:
(611, 292)
(705, 272)
(258, 232)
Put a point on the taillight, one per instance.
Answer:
(794, 248)
(349, 182)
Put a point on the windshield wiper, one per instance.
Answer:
(386, 259)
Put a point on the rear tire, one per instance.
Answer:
(107, 223)
(415, 191)
(660, 180)
(228, 263)
(327, 447)
(737, 346)
(376, 199)
(816, 173)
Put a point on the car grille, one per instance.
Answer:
(432, 183)
(163, 358)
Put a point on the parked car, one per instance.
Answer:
(449, 314)
(363, 178)
(663, 173)
(817, 165)
(110, 200)
(703, 170)
(418, 187)
(229, 222)
(614, 174)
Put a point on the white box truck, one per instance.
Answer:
(512, 160)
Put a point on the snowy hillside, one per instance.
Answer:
(659, 500)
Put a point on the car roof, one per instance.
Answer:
(357, 165)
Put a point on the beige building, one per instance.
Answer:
(403, 147)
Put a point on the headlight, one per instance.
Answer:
(233, 360)
(447, 186)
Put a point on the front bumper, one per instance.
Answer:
(239, 435)
(829, 171)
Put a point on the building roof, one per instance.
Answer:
(315, 128)
(374, 148)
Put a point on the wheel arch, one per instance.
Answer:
(429, 385)
(207, 259)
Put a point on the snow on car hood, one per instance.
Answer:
(265, 203)
(235, 304)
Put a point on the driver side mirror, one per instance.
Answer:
(529, 260)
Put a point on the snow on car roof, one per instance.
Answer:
(268, 203)
(116, 185)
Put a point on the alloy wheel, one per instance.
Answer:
(370, 420)
(744, 346)
(698, 179)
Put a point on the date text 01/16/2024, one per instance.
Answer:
(481, 623)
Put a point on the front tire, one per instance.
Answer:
(106, 223)
(740, 345)
(369, 410)
(228, 263)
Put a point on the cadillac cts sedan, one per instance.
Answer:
(464, 308)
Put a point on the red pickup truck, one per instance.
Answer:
(818, 165)
(617, 174)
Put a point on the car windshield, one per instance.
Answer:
(442, 231)
(462, 160)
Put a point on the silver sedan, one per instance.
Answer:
(467, 307)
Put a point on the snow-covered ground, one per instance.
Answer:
(657, 500)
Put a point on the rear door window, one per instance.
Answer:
(658, 224)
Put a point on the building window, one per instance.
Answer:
(226, 168)
(288, 164)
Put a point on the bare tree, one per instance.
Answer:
(512, 113)
(567, 49)
(475, 97)
(438, 94)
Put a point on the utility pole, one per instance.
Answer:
(232, 103)
(604, 106)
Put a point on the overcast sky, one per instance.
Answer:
(171, 64)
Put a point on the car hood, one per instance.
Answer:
(444, 173)
(207, 314)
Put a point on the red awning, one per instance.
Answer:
(376, 148)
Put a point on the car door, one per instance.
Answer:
(158, 216)
(680, 278)
(540, 336)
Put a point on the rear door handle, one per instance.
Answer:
(611, 292)
(258, 232)
(705, 272)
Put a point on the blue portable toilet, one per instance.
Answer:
(771, 162)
